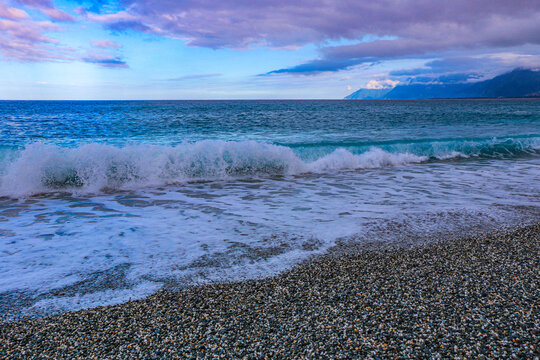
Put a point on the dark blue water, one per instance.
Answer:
(188, 191)
(283, 122)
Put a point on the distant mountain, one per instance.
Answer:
(517, 83)
(368, 94)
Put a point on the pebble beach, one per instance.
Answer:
(474, 298)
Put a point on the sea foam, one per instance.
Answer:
(41, 168)
(93, 168)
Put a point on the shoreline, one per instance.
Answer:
(474, 297)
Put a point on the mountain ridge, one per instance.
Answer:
(514, 84)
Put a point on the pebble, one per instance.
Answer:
(471, 298)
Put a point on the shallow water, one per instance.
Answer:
(184, 192)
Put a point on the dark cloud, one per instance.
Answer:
(236, 23)
(417, 28)
(317, 66)
(420, 27)
(105, 60)
(430, 44)
(122, 26)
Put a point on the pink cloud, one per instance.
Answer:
(23, 38)
(12, 13)
(48, 9)
(25, 41)
(58, 15)
(105, 44)
(110, 18)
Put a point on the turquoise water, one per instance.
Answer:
(177, 192)
(289, 123)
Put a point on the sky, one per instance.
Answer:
(249, 49)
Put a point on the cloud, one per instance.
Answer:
(23, 38)
(410, 72)
(505, 34)
(120, 21)
(12, 13)
(25, 41)
(317, 66)
(48, 9)
(58, 15)
(106, 54)
(455, 69)
(418, 27)
(105, 44)
(396, 29)
(193, 77)
(381, 84)
(105, 60)
(422, 25)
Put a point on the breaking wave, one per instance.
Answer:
(42, 168)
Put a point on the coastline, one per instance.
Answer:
(474, 297)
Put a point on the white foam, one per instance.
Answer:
(231, 229)
(92, 168)
(85, 301)
(374, 158)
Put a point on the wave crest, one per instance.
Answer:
(94, 167)
(91, 168)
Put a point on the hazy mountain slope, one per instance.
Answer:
(517, 83)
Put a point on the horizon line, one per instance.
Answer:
(307, 99)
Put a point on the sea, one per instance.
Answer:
(103, 202)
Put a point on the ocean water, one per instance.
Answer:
(102, 202)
